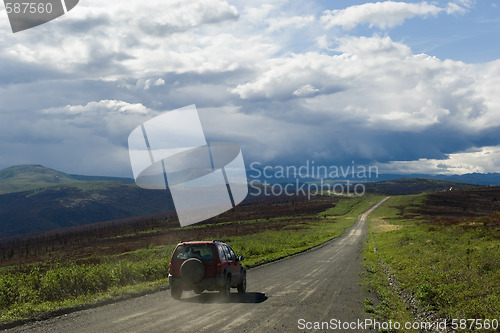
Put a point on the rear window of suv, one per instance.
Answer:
(199, 251)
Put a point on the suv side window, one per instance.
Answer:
(228, 253)
(231, 252)
(222, 254)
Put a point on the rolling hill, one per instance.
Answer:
(34, 198)
(29, 177)
(413, 186)
(76, 204)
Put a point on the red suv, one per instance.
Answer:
(205, 265)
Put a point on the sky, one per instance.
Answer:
(410, 87)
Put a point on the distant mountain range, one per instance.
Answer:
(34, 198)
(277, 175)
(469, 178)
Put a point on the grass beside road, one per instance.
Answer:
(27, 290)
(452, 269)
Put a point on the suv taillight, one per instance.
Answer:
(219, 268)
(170, 268)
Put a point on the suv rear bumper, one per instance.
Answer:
(214, 283)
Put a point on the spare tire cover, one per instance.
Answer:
(193, 270)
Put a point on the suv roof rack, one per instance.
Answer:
(218, 240)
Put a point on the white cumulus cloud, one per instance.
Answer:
(380, 83)
(383, 15)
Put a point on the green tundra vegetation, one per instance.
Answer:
(442, 248)
(63, 281)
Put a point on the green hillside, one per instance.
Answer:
(29, 177)
(413, 186)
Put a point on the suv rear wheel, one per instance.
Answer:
(175, 291)
(242, 286)
(225, 291)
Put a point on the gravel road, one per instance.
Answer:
(289, 295)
